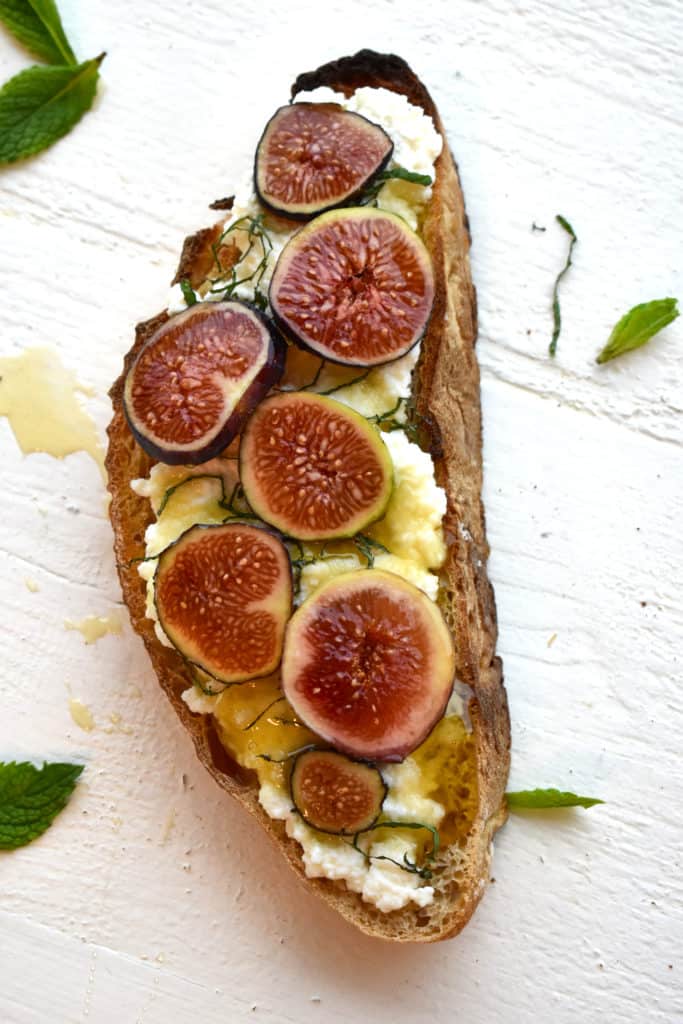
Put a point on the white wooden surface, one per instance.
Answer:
(153, 901)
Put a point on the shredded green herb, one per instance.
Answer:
(370, 194)
(188, 291)
(278, 700)
(348, 383)
(404, 175)
(137, 559)
(290, 755)
(257, 238)
(557, 318)
(222, 501)
(367, 547)
(312, 384)
(381, 418)
(237, 504)
(238, 496)
(202, 684)
(410, 426)
(301, 559)
(406, 865)
(304, 387)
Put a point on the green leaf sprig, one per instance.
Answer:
(557, 317)
(38, 27)
(545, 799)
(637, 327)
(41, 104)
(30, 799)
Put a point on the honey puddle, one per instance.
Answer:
(31, 585)
(81, 714)
(38, 397)
(93, 627)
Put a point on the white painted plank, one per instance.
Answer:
(573, 110)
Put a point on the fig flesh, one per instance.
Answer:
(332, 793)
(368, 664)
(314, 156)
(355, 286)
(197, 379)
(223, 595)
(314, 468)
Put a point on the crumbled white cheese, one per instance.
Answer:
(381, 389)
(411, 527)
(328, 857)
(322, 570)
(389, 886)
(199, 703)
(275, 801)
(417, 144)
(403, 802)
(380, 882)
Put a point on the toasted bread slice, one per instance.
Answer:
(446, 394)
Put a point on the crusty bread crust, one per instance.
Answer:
(446, 390)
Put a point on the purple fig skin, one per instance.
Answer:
(268, 377)
(347, 199)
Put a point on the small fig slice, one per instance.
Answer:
(354, 286)
(223, 595)
(335, 794)
(314, 468)
(368, 664)
(313, 156)
(197, 379)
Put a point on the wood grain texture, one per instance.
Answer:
(573, 110)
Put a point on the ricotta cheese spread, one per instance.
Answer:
(411, 529)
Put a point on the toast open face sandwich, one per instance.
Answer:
(295, 471)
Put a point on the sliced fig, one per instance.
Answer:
(314, 468)
(335, 794)
(314, 156)
(354, 286)
(368, 664)
(197, 379)
(223, 595)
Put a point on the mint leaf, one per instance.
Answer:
(36, 24)
(637, 327)
(41, 104)
(31, 797)
(539, 799)
(557, 318)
